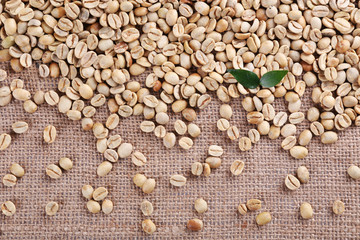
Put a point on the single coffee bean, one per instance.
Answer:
(146, 208)
(65, 163)
(306, 210)
(160, 131)
(254, 135)
(178, 180)
(329, 137)
(53, 171)
(139, 179)
(186, 143)
(193, 130)
(100, 193)
(226, 111)
(21, 94)
(180, 127)
(280, 119)
(197, 169)
(338, 207)
(215, 150)
(305, 137)
(29, 106)
(107, 206)
(51, 98)
(17, 170)
(111, 155)
(214, 162)
(49, 134)
(125, 150)
(104, 168)
(354, 172)
(5, 140)
(253, 204)
(237, 167)
(148, 186)
(189, 114)
(9, 180)
(201, 205)
(223, 124)
(87, 191)
(288, 142)
(291, 182)
(303, 174)
(138, 159)
(148, 226)
(244, 144)
(114, 141)
(169, 140)
(233, 132)
(195, 224)
(51, 208)
(299, 152)
(207, 169)
(263, 218)
(8, 208)
(93, 206)
(20, 127)
(255, 117)
(242, 209)
(147, 126)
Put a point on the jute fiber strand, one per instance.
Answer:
(266, 166)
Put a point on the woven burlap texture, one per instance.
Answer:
(266, 166)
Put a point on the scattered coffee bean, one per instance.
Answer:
(53, 171)
(149, 185)
(197, 169)
(338, 207)
(299, 152)
(93, 206)
(291, 182)
(195, 224)
(306, 210)
(242, 209)
(237, 167)
(65, 163)
(215, 150)
(303, 174)
(263, 218)
(8, 208)
(49, 134)
(253, 204)
(9, 180)
(107, 206)
(201, 205)
(51, 208)
(104, 168)
(214, 162)
(17, 170)
(146, 208)
(138, 159)
(100, 193)
(87, 191)
(148, 226)
(20, 127)
(178, 180)
(139, 179)
(354, 172)
(5, 140)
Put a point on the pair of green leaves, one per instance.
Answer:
(250, 80)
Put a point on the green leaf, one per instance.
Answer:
(246, 78)
(272, 78)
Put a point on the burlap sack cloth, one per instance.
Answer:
(266, 166)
